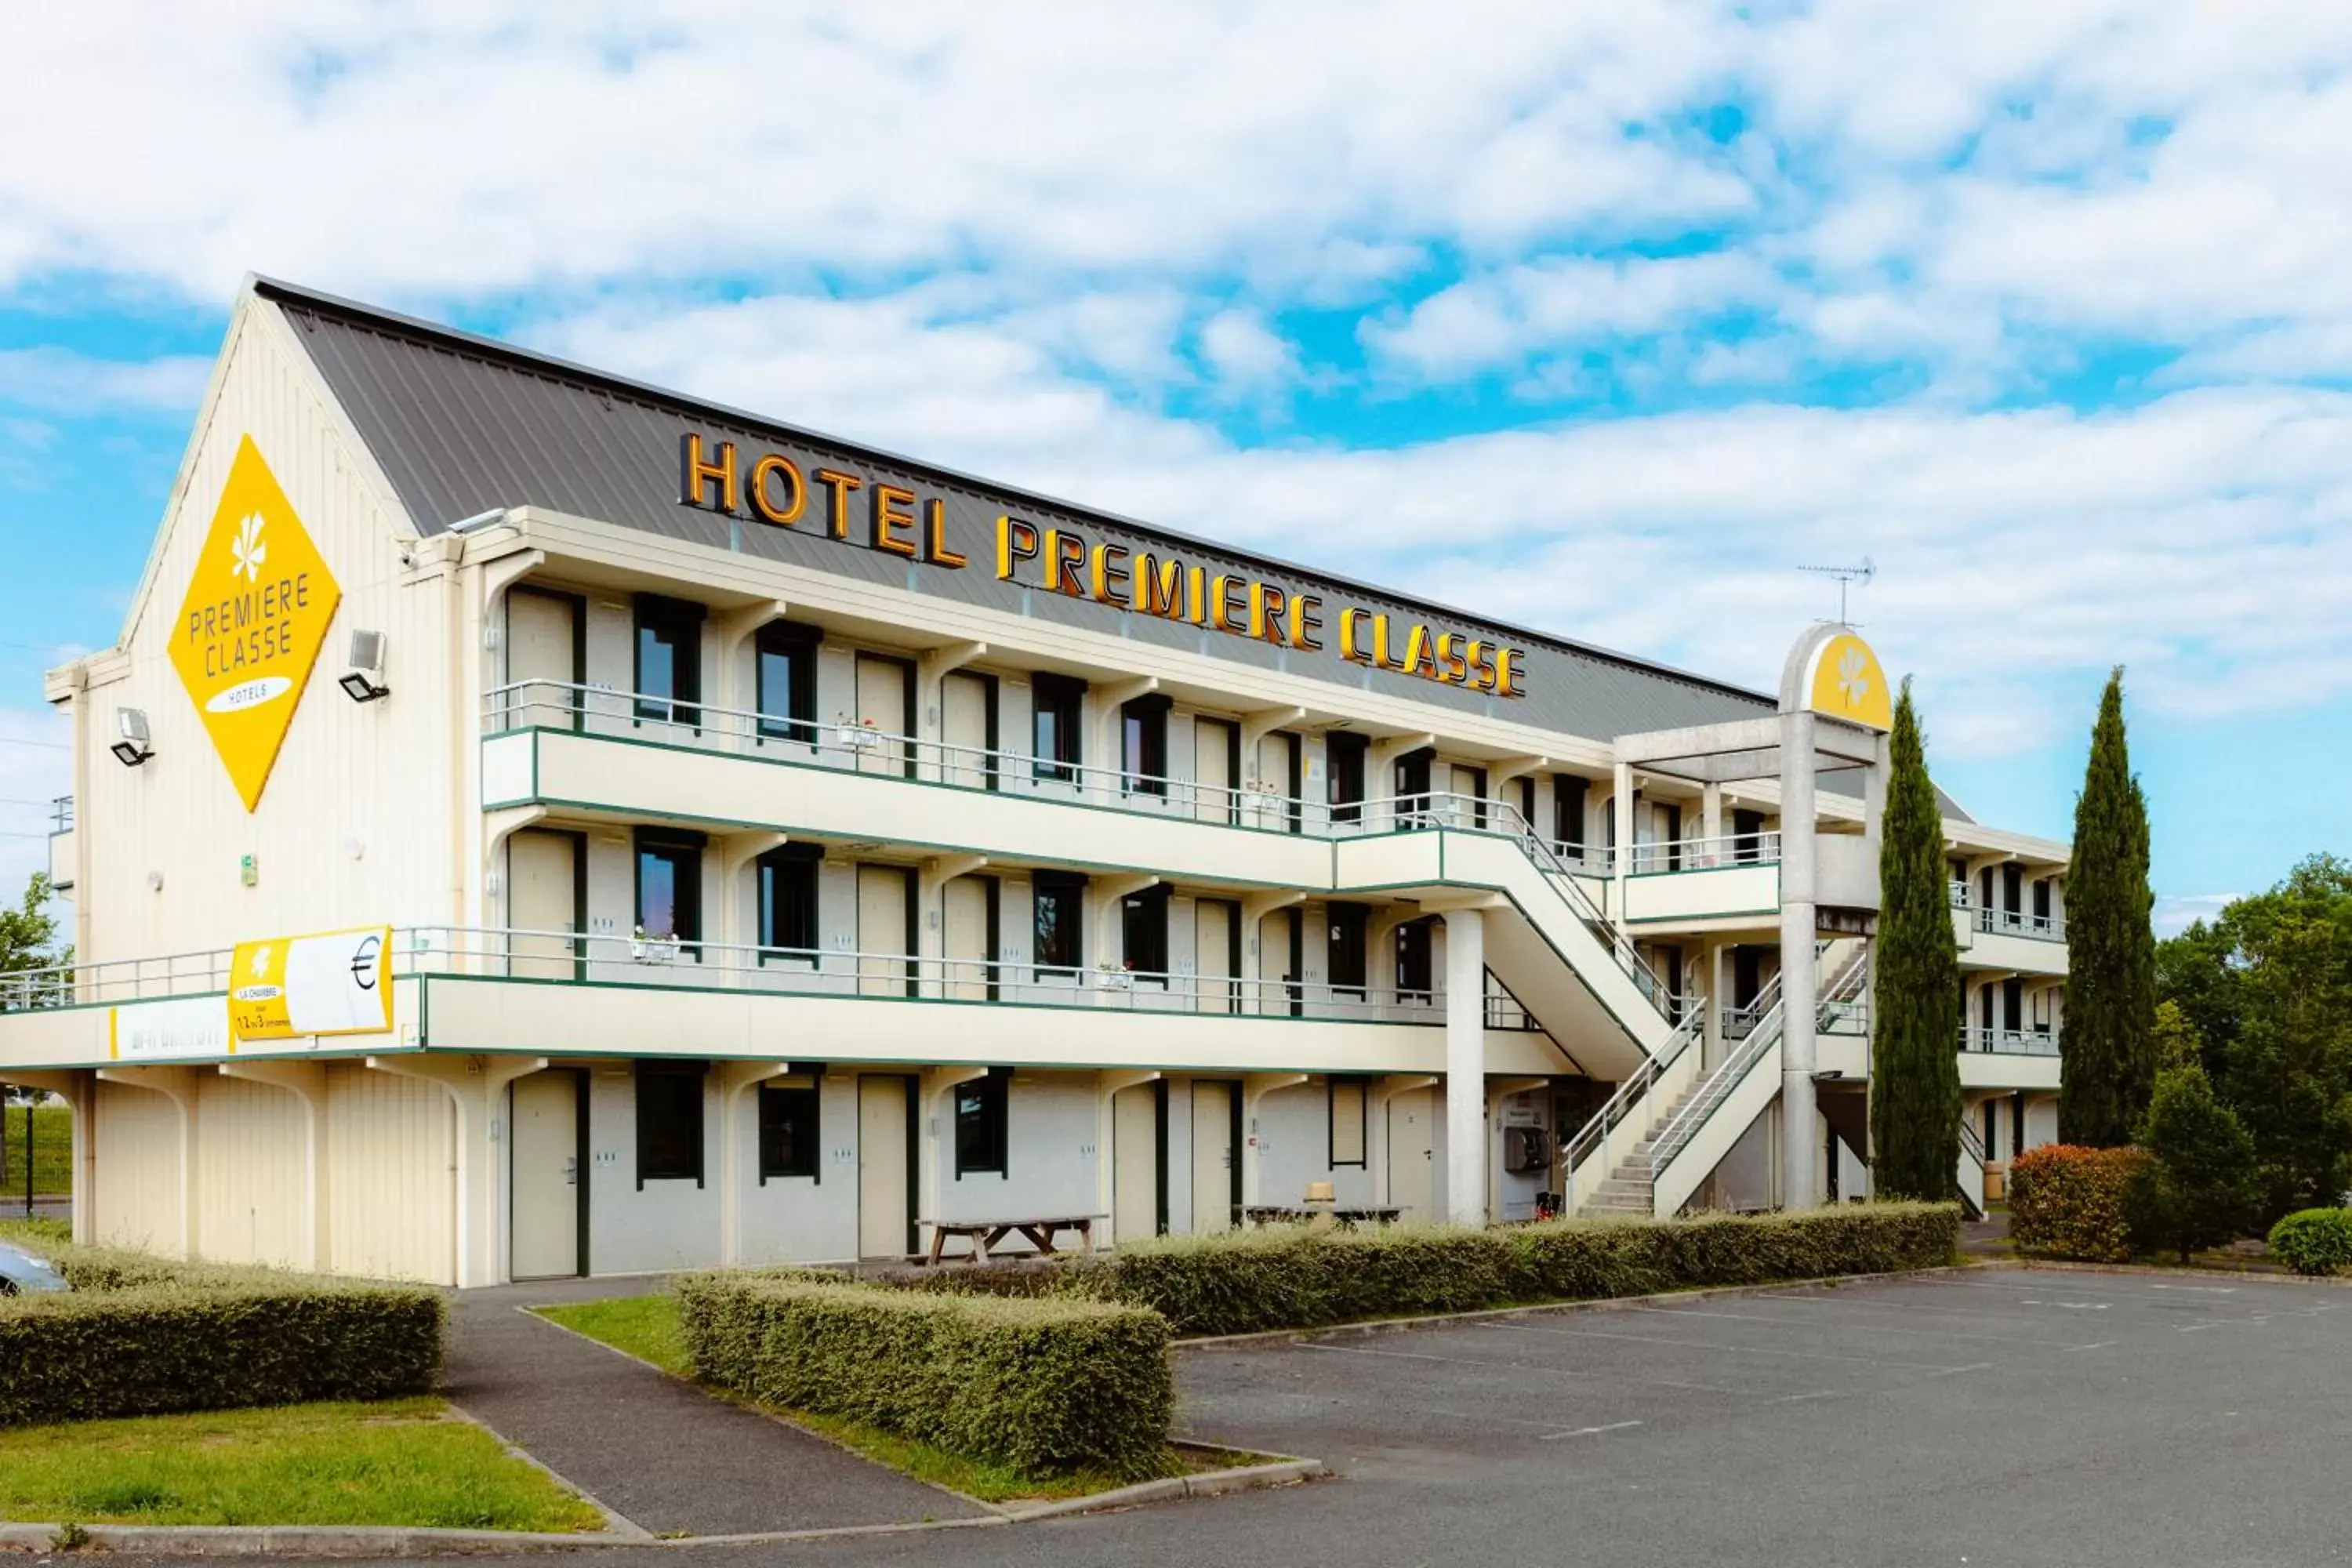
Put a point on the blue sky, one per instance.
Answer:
(1602, 319)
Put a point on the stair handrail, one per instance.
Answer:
(1614, 1110)
(1683, 1125)
(1972, 1144)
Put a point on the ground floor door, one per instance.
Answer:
(885, 1177)
(1216, 1159)
(1413, 1153)
(1138, 1128)
(549, 1208)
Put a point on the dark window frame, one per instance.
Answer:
(793, 719)
(1416, 975)
(686, 1079)
(1350, 932)
(684, 851)
(1571, 796)
(983, 1116)
(776, 1103)
(1346, 761)
(1059, 886)
(1065, 698)
(802, 863)
(1151, 904)
(1143, 745)
(1332, 1085)
(679, 623)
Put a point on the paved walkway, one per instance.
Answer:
(655, 1450)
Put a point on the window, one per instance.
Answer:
(1143, 932)
(1413, 964)
(788, 1131)
(1670, 833)
(1346, 755)
(1747, 835)
(1348, 927)
(1412, 787)
(1060, 704)
(670, 1122)
(786, 656)
(1060, 902)
(1568, 797)
(669, 886)
(1347, 1122)
(669, 660)
(980, 1141)
(1526, 791)
(1143, 745)
(2013, 887)
(787, 894)
(1993, 1130)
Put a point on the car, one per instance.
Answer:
(25, 1273)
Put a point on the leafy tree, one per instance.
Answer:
(1915, 1078)
(2108, 1045)
(2269, 984)
(2177, 1043)
(28, 935)
(2202, 1188)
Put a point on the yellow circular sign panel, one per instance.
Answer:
(1848, 684)
(254, 620)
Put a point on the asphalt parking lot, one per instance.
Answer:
(1984, 1417)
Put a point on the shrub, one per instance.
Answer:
(1043, 1386)
(2314, 1241)
(1242, 1282)
(2197, 1188)
(2066, 1201)
(143, 1336)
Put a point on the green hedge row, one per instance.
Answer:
(2314, 1241)
(1043, 1386)
(143, 1336)
(1295, 1278)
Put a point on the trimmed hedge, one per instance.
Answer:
(1295, 1278)
(1045, 1386)
(143, 1336)
(2314, 1241)
(1298, 1277)
(2071, 1202)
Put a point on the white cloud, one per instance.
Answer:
(1244, 354)
(59, 381)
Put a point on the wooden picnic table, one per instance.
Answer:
(984, 1234)
(1346, 1215)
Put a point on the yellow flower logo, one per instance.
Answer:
(249, 550)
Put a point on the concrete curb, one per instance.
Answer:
(325, 1541)
(1282, 1473)
(1597, 1304)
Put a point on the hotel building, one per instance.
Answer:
(536, 823)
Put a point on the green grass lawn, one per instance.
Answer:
(646, 1327)
(52, 1154)
(400, 1462)
(36, 1233)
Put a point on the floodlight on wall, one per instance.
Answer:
(132, 748)
(364, 681)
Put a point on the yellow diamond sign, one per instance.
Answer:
(254, 620)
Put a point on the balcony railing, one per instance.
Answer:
(2007, 923)
(2009, 1042)
(61, 814)
(1704, 854)
(847, 745)
(668, 963)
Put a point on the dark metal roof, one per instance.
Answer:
(462, 424)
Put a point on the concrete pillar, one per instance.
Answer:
(1799, 980)
(1620, 811)
(1716, 998)
(1465, 1066)
(1711, 820)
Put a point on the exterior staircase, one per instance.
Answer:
(1630, 1188)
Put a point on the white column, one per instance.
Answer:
(1799, 983)
(1465, 1066)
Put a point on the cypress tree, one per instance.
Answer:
(2107, 1047)
(1915, 1072)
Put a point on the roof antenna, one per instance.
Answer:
(1845, 574)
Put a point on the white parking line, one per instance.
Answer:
(1523, 1366)
(1587, 1431)
(1714, 1345)
(1855, 1328)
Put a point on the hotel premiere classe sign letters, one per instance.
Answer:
(774, 489)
